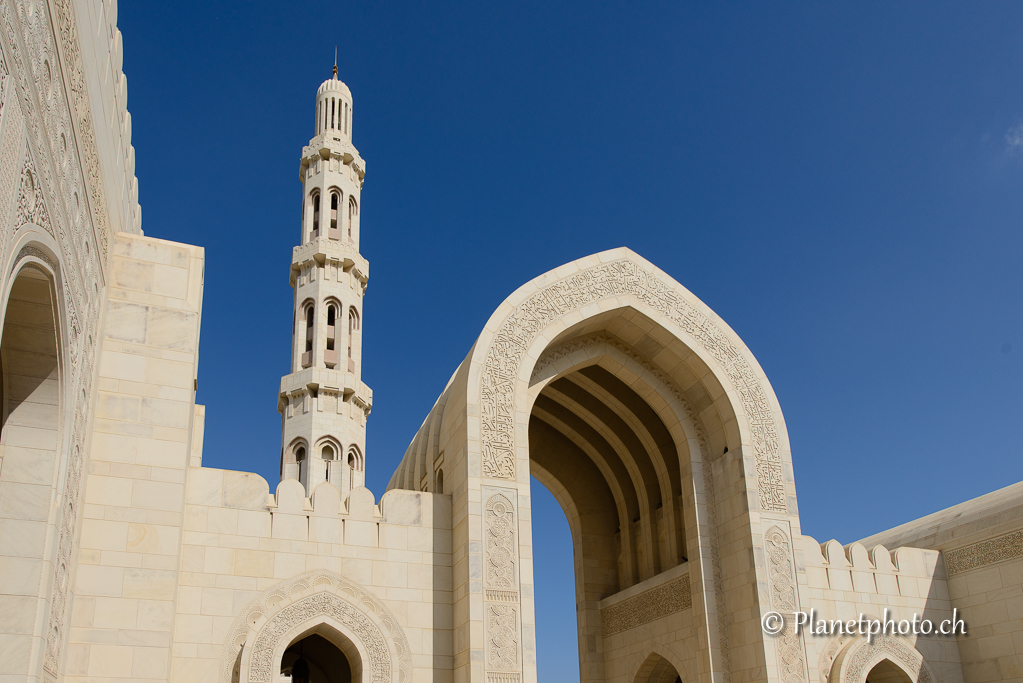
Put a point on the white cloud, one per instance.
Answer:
(1014, 138)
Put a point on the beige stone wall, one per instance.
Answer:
(239, 541)
(990, 599)
(844, 582)
(130, 544)
(981, 543)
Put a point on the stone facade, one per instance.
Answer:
(123, 558)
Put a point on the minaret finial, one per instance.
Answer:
(335, 62)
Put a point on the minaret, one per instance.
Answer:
(323, 402)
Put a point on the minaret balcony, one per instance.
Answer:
(307, 359)
(314, 378)
(330, 144)
(321, 249)
(330, 357)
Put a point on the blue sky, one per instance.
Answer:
(840, 182)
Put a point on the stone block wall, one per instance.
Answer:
(239, 542)
(128, 557)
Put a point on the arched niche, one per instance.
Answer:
(885, 659)
(660, 666)
(318, 602)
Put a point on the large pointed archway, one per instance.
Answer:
(656, 429)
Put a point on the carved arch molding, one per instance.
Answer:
(620, 278)
(256, 636)
(851, 661)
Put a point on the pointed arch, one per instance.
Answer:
(857, 659)
(323, 602)
(661, 665)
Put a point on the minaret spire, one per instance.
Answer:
(323, 401)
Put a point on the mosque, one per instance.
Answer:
(123, 558)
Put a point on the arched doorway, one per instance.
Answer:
(29, 373)
(657, 669)
(887, 672)
(312, 658)
(30, 444)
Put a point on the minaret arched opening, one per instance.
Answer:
(303, 466)
(309, 312)
(353, 211)
(335, 200)
(353, 327)
(330, 352)
(316, 214)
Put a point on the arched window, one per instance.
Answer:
(328, 455)
(332, 105)
(300, 460)
(353, 325)
(353, 211)
(307, 355)
(335, 199)
(316, 214)
(355, 458)
(330, 353)
(440, 481)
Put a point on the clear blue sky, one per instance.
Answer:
(841, 182)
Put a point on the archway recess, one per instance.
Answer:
(653, 424)
(321, 655)
(324, 604)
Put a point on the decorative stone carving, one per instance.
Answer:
(827, 657)
(261, 660)
(617, 278)
(31, 207)
(29, 250)
(779, 557)
(790, 656)
(502, 637)
(655, 603)
(501, 550)
(783, 598)
(890, 647)
(317, 580)
(66, 27)
(1007, 547)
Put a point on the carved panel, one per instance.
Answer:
(521, 327)
(1007, 547)
(790, 655)
(501, 550)
(502, 637)
(31, 207)
(779, 558)
(655, 603)
(261, 661)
